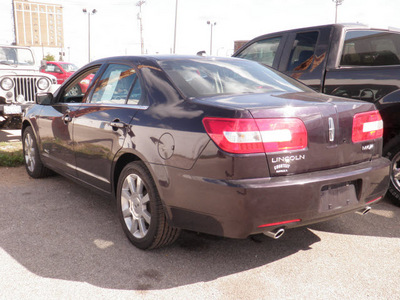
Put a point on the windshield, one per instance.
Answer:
(69, 67)
(199, 78)
(16, 56)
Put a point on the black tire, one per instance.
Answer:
(392, 151)
(33, 163)
(140, 210)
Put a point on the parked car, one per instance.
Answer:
(351, 61)
(216, 145)
(20, 80)
(62, 71)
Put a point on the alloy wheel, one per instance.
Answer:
(29, 153)
(135, 205)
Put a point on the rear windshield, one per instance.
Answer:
(201, 78)
(371, 48)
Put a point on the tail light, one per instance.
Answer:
(367, 126)
(257, 135)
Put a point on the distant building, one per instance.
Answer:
(239, 44)
(38, 24)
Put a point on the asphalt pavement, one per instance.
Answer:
(10, 135)
(59, 240)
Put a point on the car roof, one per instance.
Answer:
(15, 47)
(159, 58)
(338, 26)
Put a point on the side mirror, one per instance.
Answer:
(44, 98)
(43, 64)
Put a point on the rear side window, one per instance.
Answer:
(302, 54)
(262, 51)
(115, 85)
(370, 48)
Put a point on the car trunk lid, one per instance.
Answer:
(329, 125)
(329, 130)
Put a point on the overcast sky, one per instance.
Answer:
(115, 27)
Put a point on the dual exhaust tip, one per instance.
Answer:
(277, 233)
(364, 211)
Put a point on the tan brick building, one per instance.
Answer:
(38, 24)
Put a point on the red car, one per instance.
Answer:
(62, 70)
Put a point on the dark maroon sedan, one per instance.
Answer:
(216, 145)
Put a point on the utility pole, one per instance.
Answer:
(337, 2)
(139, 16)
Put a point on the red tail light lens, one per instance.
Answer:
(257, 135)
(367, 126)
(282, 134)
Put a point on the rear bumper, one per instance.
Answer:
(239, 208)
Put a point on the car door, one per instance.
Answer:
(55, 125)
(101, 125)
(305, 55)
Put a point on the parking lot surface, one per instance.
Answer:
(59, 240)
(10, 135)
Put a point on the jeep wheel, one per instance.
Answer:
(140, 210)
(392, 152)
(75, 91)
(33, 163)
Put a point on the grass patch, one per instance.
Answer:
(11, 154)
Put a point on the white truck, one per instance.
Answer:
(20, 80)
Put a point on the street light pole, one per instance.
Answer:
(176, 20)
(211, 37)
(337, 3)
(85, 11)
(139, 16)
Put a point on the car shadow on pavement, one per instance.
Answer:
(382, 220)
(10, 135)
(58, 229)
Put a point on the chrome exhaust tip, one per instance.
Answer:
(275, 234)
(364, 211)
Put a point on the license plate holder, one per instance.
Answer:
(12, 110)
(338, 196)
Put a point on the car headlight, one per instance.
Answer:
(7, 84)
(43, 84)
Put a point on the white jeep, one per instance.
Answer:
(20, 80)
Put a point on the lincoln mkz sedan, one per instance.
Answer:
(222, 146)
